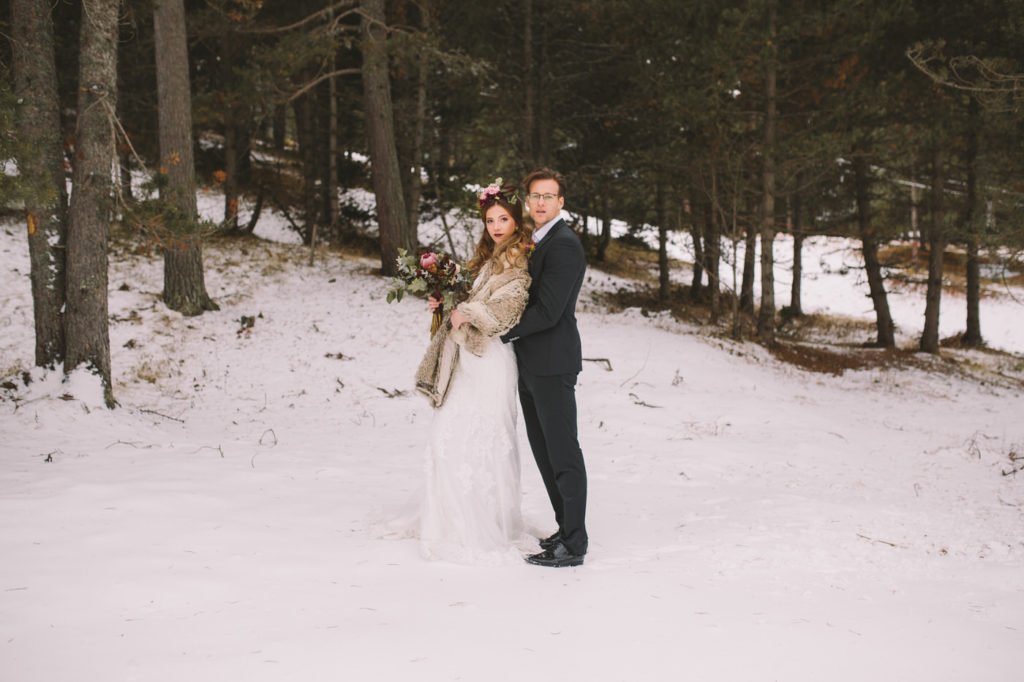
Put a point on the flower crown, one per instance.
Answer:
(496, 189)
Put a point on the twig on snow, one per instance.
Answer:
(142, 409)
(125, 442)
(210, 447)
(637, 401)
(606, 361)
(884, 542)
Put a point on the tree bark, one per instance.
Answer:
(392, 215)
(972, 335)
(766, 313)
(749, 267)
(229, 58)
(885, 337)
(41, 165)
(415, 174)
(333, 205)
(304, 128)
(699, 258)
(280, 126)
(936, 249)
(712, 243)
(662, 213)
(529, 90)
(184, 282)
(605, 239)
(713, 260)
(87, 328)
(796, 288)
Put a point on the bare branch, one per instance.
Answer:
(987, 80)
(319, 79)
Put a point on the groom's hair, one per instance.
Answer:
(545, 174)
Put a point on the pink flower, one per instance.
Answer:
(488, 194)
(428, 260)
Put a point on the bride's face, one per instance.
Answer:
(499, 223)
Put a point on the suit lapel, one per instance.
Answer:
(534, 264)
(554, 228)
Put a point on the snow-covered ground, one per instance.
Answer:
(748, 520)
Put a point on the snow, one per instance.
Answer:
(748, 520)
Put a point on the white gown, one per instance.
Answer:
(470, 510)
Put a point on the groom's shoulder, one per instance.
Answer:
(567, 239)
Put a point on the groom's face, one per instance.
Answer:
(544, 210)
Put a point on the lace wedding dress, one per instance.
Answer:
(470, 510)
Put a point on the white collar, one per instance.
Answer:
(539, 234)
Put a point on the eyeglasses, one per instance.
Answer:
(537, 197)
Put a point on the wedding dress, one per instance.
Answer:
(470, 510)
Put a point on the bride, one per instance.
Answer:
(470, 511)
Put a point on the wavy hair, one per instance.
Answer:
(512, 251)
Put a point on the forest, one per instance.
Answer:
(735, 121)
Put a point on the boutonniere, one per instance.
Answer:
(530, 249)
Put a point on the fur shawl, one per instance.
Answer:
(493, 307)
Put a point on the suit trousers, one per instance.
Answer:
(549, 410)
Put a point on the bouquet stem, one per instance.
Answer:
(435, 323)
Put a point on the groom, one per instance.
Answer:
(547, 346)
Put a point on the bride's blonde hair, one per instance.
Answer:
(513, 250)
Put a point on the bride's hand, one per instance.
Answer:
(457, 319)
(434, 303)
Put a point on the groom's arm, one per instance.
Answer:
(563, 267)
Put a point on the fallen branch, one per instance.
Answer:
(884, 542)
(637, 401)
(396, 393)
(210, 447)
(606, 361)
(142, 409)
(125, 442)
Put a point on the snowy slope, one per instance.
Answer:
(748, 520)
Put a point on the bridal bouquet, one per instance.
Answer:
(429, 272)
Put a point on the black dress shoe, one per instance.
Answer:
(557, 556)
(551, 540)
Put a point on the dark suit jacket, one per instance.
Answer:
(547, 341)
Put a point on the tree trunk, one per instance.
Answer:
(712, 243)
(87, 328)
(542, 139)
(229, 58)
(413, 189)
(605, 240)
(662, 214)
(796, 288)
(529, 90)
(41, 165)
(766, 313)
(280, 126)
(972, 335)
(713, 259)
(333, 205)
(749, 266)
(392, 215)
(307, 157)
(184, 282)
(699, 258)
(230, 171)
(936, 249)
(869, 249)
